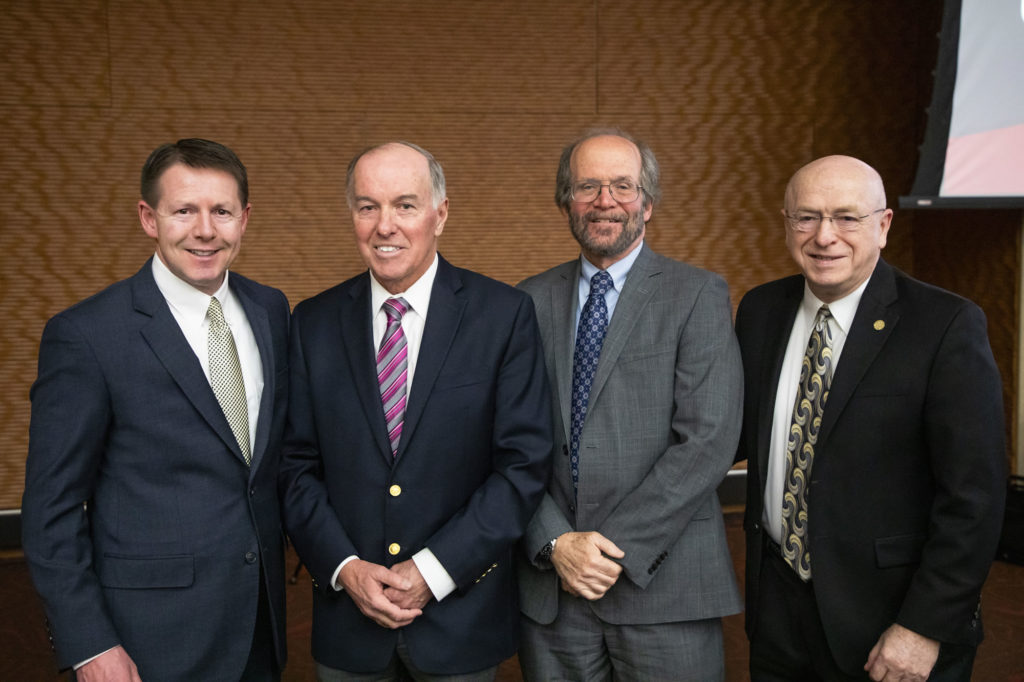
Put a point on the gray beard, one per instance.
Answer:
(631, 231)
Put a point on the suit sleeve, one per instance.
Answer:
(963, 422)
(70, 419)
(497, 513)
(708, 398)
(310, 519)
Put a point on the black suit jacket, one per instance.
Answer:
(142, 524)
(907, 487)
(471, 467)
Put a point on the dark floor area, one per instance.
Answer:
(25, 654)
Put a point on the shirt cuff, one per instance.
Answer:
(338, 587)
(90, 660)
(437, 579)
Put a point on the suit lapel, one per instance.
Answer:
(164, 337)
(863, 342)
(442, 322)
(636, 294)
(564, 299)
(778, 327)
(356, 323)
(260, 325)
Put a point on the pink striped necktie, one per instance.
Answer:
(392, 368)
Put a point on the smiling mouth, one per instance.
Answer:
(203, 253)
(388, 249)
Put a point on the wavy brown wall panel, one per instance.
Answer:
(977, 254)
(400, 56)
(733, 96)
(54, 54)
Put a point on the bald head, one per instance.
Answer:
(846, 226)
(836, 171)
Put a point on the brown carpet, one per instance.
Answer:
(25, 652)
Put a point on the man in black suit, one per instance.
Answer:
(418, 443)
(873, 431)
(150, 519)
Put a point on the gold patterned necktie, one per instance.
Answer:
(226, 376)
(815, 378)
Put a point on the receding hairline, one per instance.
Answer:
(435, 173)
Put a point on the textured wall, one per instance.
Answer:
(732, 95)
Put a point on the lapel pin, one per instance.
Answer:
(879, 325)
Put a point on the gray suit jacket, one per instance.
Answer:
(661, 430)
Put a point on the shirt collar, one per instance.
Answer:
(190, 303)
(843, 310)
(618, 270)
(417, 295)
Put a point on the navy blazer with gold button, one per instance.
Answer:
(470, 469)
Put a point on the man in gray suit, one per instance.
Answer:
(647, 391)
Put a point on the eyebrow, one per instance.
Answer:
(840, 209)
(619, 178)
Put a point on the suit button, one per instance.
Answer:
(252, 492)
(250, 557)
(395, 490)
(394, 548)
(565, 449)
(572, 509)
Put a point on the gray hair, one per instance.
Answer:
(437, 184)
(650, 173)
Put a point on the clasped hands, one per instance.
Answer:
(391, 597)
(584, 563)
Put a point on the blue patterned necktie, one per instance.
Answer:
(589, 339)
(815, 379)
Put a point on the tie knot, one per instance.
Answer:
(822, 317)
(395, 308)
(600, 283)
(215, 313)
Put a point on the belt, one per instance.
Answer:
(773, 547)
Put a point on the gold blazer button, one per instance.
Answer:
(394, 548)
(395, 490)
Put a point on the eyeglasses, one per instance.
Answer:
(622, 191)
(188, 216)
(810, 222)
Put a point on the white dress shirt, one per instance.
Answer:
(843, 312)
(189, 306)
(417, 297)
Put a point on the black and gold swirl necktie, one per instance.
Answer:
(815, 377)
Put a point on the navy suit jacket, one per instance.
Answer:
(906, 494)
(142, 524)
(470, 470)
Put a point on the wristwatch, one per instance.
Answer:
(546, 550)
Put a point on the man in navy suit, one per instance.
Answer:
(150, 517)
(871, 522)
(418, 442)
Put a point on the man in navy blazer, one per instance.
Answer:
(151, 530)
(405, 501)
(904, 492)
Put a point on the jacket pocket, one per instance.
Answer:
(899, 550)
(139, 573)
